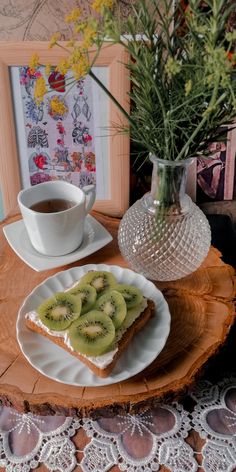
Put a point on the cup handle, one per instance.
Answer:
(90, 195)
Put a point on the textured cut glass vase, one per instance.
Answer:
(164, 235)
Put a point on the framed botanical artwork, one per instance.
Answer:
(79, 143)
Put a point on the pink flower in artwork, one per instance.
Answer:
(87, 137)
(60, 142)
(57, 81)
(33, 73)
(90, 167)
(37, 74)
(40, 161)
(61, 128)
(23, 80)
(39, 177)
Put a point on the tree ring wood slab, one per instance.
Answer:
(202, 310)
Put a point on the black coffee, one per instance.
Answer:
(52, 206)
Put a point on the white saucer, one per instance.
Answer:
(95, 237)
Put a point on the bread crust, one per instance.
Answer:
(138, 324)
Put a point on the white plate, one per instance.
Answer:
(52, 361)
(95, 237)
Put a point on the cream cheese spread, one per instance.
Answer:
(101, 361)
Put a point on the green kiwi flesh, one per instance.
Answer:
(100, 280)
(87, 294)
(58, 312)
(92, 333)
(131, 316)
(113, 305)
(132, 295)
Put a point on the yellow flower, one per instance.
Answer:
(48, 69)
(54, 39)
(90, 34)
(172, 67)
(34, 61)
(40, 90)
(98, 5)
(57, 106)
(63, 66)
(80, 27)
(71, 43)
(231, 36)
(76, 55)
(188, 87)
(73, 15)
(81, 68)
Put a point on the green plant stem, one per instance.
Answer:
(213, 103)
(168, 191)
(174, 114)
(62, 47)
(165, 120)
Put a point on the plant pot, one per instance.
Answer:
(164, 235)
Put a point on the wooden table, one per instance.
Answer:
(202, 311)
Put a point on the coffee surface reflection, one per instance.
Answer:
(52, 206)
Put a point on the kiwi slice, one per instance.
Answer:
(86, 293)
(100, 280)
(58, 312)
(132, 315)
(113, 304)
(132, 295)
(92, 333)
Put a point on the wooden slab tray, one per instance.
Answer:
(202, 310)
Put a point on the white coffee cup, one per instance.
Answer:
(59, 232)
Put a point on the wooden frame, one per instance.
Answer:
(228, 166)
(114, 57)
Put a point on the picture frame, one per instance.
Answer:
(111, 57)
(212, 179)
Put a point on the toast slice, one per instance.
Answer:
(122, 344)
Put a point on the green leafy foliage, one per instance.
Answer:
(183, 73)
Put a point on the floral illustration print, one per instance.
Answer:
(57, 81)
(57, 107)
(40, 161)
(37, 137)
(81, 134)
(62, 124)
(34, 112)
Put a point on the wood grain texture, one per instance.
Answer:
(9, 166)
(202, 310)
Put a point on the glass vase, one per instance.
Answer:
(164, 235)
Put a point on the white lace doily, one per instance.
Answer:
(139, 443)
(27, 440)
(214, 418)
